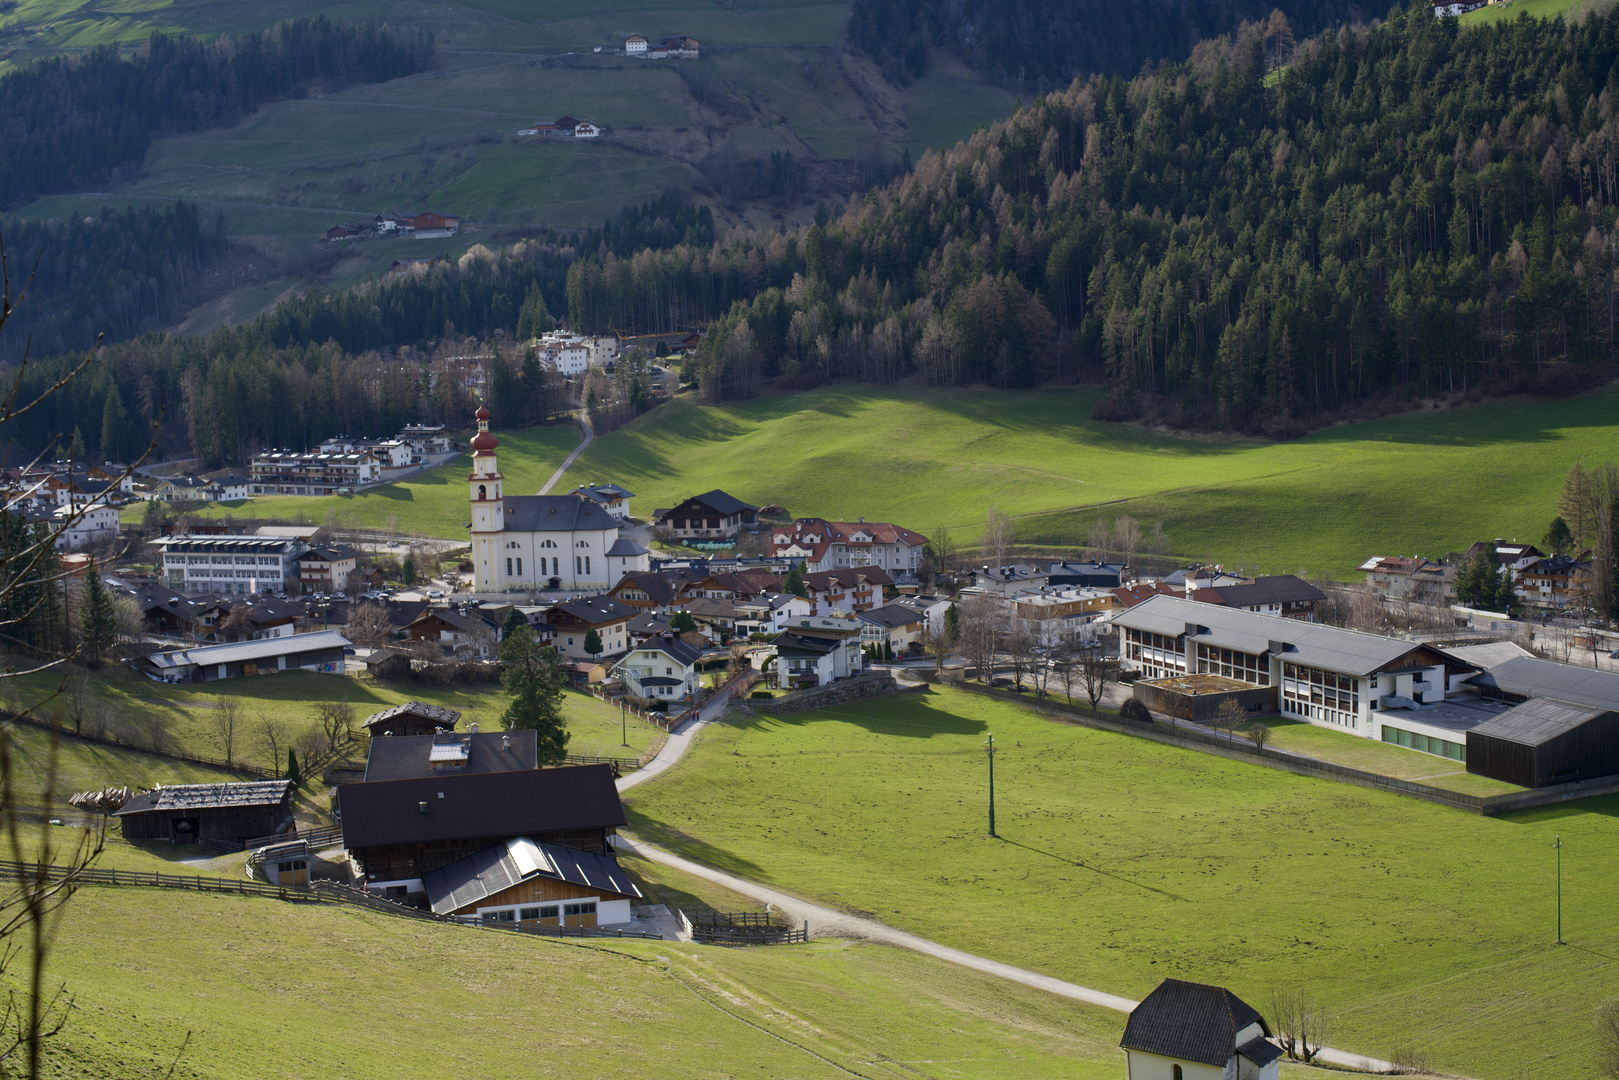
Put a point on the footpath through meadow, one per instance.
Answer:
(824, 921)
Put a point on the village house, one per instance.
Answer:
(896, 626)
(1010, 580)
(523, 881)
(81, 526)
(251, 618)
(533, 541)
(1193, 1031)
(413, 718)
(228, 488)
(455, 630)
(1128, 596)
(1513, 556)
(187, 813)
(283, 472)
(769, 613)
(178, 489)
(398, 830)
(610, 497)
(817, 651)
(715, 619)
(326, 569)
(833, 592)
(1090, 575)
(411, 757)
(427, 439)
(1281, 594)
(713, 515)
(1556, 582)
(572, 620)
(661, 668)
(658, 590)
(635, 45)
(835, 545)
(1416, 579)
(1054, 616)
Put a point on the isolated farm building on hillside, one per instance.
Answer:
(411, 757)
(413, 718)
(321, 651)
(635, 44)
(529, 882)
(680, 46)
(398, 830)
(834, 545)
(186, 813)
(713, 515)
(1193, 1031)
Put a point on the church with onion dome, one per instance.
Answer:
(545, 542)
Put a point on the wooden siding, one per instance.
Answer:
(232, 823)
(392, 862)
(1588, 752)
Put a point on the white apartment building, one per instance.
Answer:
(229, 565)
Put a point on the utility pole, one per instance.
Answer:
(989, 751)
(1559, 848)
(624, 720)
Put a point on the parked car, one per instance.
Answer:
(435, 594)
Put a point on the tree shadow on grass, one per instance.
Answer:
(1093, 869)
(690, 847)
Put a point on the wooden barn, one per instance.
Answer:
(1544, 742)
(187, 813)
(399, 830)
(411, 718)
(525, 881)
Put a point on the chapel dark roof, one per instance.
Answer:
(1188, 1020)
(555, 513)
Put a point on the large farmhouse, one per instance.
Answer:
(533, 541)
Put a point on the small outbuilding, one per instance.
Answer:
(187, 813)
(320, 651)
(412, 718)
(1194, 1031)
(525, 881)
(1544, 742)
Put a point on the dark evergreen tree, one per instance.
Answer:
(531, 674)
(98, 619)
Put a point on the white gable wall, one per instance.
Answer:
(1141, 1065)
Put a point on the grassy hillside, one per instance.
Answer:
(1123, 861)
(1539, 9)
(253, 982)
(1323, 503)
(184, 719)
(433, 504)
(445, 140)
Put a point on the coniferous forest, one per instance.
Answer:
(1406, 209)
(71, 123)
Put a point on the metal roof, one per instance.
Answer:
(438, 713)
(404, 757)
(477, 877)
(1328, 647)
(555, 513)
(1533, 677)
(1535, 723)
(1192, 1021)
(243, 651)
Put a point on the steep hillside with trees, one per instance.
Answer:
(1410, 209)
(68, 123)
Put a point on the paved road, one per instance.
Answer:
(824, 920)
(590, 436)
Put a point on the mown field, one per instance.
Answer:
(1427, 483)
(1122, 861)
(248, 988)
(184, 719)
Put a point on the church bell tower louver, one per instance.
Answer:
(488, 510)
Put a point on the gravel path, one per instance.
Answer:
(590, 437)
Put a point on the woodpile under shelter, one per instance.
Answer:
(398, 830)
(525, 881)
(187, 813)
(412, 718)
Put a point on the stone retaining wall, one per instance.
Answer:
(860, 688)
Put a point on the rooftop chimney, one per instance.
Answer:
(421, 808)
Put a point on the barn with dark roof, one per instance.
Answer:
(1194, 1031)
(229, 813)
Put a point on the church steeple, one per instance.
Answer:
(488, 510)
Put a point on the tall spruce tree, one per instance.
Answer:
(531, 674)
(98, 618)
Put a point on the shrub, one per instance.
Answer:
(1134, 710)
(761, 694)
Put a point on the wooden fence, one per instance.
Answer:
(317, 837)
(619, 764)
(739, 928)
(1220, 745)
(321, 892)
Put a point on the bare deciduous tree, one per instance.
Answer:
(1229, 717)
(77, 699)
(226, 721)
(336, 720)
(1127, 537)
(998, 533)
(1299, 1021)
(273, 740)
(1607, 1020)
(1099, 539)
(368, 625)
(1018, 646)
(1096, 670)
(982, 628)
(1260, 734)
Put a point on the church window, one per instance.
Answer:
(587, 564)
(508, 566)
(578, 565)
(483, 493)
(519, 566)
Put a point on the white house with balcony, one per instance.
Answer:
(663, 666)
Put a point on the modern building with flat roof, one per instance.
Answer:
(230, 565)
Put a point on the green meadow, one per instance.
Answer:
(1121, 861)
(262, 989)
(926, 459)
(184, 719)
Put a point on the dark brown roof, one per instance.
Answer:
(437, 713)
(1191, 1021)
(494, 805)
(402, 757)
(1262, 591)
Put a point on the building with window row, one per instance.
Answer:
(230, 565)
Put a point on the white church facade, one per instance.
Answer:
(547, 542)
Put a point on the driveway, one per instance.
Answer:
(590, 436)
